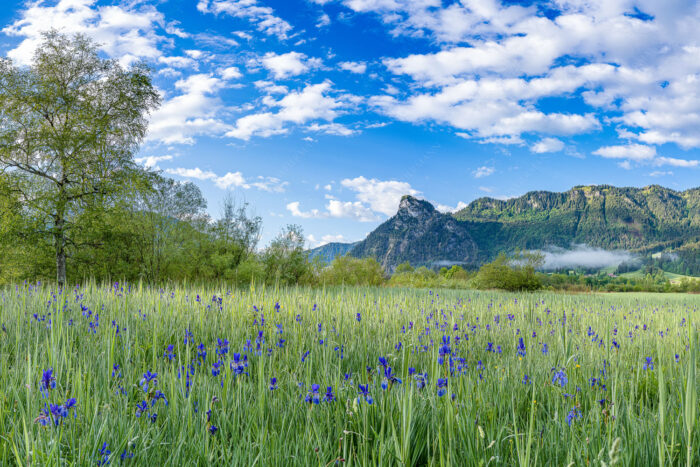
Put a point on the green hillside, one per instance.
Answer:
(640, 220)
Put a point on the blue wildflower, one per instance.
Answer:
(48, 381)
(141, 408)
(104, 455)
(573, 414)
(441, 386)
(238, 365)
(363, 391)
(169, 354)
(329, 397)
(521, 347)
(560, 377)
(148, 379)
(313, 397)
(389, 378)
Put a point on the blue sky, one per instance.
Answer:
(325, 112)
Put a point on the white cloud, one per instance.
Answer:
(289, 64)
(381, 195)
(125, 32)
(630, 152)
(676, 162)
(230, 179)
(270, 184)
(332, 129)
(483, 171)
(487, 108)
(323, 21)
(660, 173)
(196, 111)
(354, 210)
(197, 173)
(447, 209)
(547, 145)
(178, 62)
(496, 62)
(195, 54)
(350, 210)
(299, 107)
(325, 239)
(151, 162)
(373, 197)
(270, 87)
(642, 154)
(230, 72)
(353, 67)
(262, 17)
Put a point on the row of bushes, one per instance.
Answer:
(517, 273)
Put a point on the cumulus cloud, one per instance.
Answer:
(373, 198)
(642, 154)
(660, 173)
(483, 171)
(195, 111)
(496, 62)
(447, 209)
(353, 67)
(382, 196)
(262, 17)
(151, 162)
(230, 72)
(547, 145)
(126, 32)
(632, 152)
(289, 64)
(332, 129)
(335, 209)
(312, 103)
(230, 179)
(672, 161)
(585, 257)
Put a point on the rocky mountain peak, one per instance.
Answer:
(414, 207)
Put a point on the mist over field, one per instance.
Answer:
(584, 256)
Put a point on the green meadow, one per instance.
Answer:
(134, 375)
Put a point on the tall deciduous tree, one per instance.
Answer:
(70, 124)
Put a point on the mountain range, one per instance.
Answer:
(642, 221)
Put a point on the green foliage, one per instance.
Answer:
(70, 124)
(284, 260)
(346, 270)
(454, 278)
(403, 268)
(506, 274)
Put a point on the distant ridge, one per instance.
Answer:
(329, 251)
(642, 220)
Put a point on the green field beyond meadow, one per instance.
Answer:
(356, 376)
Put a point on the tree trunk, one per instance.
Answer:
(60, 241)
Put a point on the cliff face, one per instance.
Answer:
(420, 234)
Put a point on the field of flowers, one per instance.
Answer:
(360, 376)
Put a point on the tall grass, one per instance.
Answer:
(612, 406)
